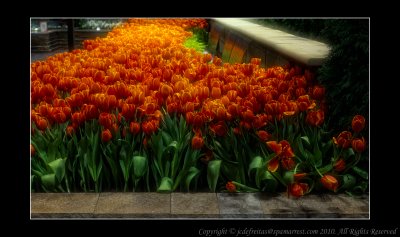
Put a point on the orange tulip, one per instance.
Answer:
(358, 123)
(358, 144)
(166, 90)
(330, 182)
(216, 92)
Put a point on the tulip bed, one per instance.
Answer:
(140, 111)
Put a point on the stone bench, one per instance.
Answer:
(239, 40)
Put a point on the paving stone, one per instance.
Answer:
(63, 205)
(194, 205)
(351, 207)
(280, 206)
(317, 206)
(133, 205)
(239, 205)
(201, 205)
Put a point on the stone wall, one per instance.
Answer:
(237, 41)
(58, 39)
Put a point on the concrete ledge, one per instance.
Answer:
(195, 206)
(275, 43)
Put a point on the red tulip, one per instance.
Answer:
(288, 163)
(339, 165)
(315, 118)
(343, 140)
(284, 154)
(197, 142)
(298, 189)
(263, 135)
(219, 128)
(106, 135)
(299, 176)
(231, 187)
(273, 164)
(318, 92)
(275, 147)
(134, 128)
(42, 124)
(33, 151)
(106, 120)
(70, 130)
(330, 182)
(358, 123)
(358, 144)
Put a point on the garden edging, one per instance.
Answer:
(196, 205)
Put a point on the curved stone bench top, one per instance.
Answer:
(306, 51)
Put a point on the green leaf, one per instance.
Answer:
(58, 167)
(49, 181)
(123, 153)
(193, 172)
(213, 170)
(306, 140)
(51, 151)
(139, 166)
(255, 164)
(167, 138)
(325, 169)
(361, 188)
(269, 181)
(317, 155)
(303, 153)
(348, 181)
(288, 177)
(229, 169)
(124, 169)
(349, 152)
(165, 186)
(360, 172)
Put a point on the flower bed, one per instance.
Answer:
(139, 111)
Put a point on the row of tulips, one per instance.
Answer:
(137, 110)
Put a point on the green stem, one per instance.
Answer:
(318, 171)
(126, 186)
(247, 188)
